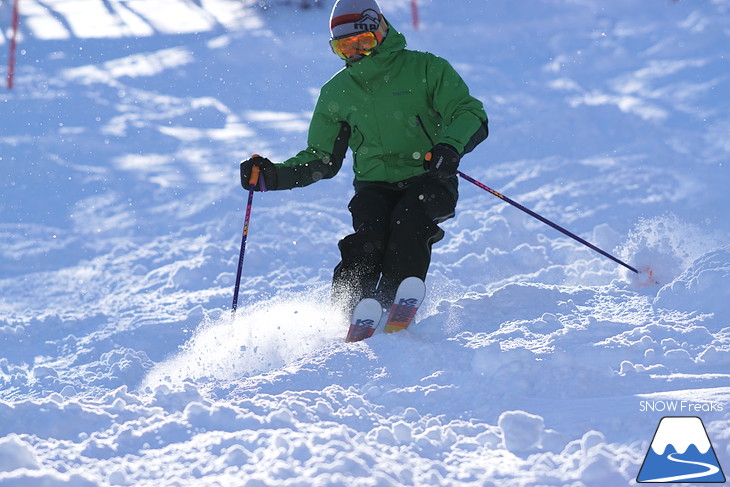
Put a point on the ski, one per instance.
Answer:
(408, 298)
(365, 319)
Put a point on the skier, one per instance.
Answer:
(408, 118)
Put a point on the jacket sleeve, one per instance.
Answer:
(464, 118)
(327, 143)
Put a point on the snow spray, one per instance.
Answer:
(278, 331)
(666, 245)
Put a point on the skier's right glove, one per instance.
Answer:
(267, 173)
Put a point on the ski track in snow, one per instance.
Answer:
(533, 357)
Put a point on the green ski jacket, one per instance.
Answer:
(390, 108)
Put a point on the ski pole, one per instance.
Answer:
(545, 220)
(252, 182)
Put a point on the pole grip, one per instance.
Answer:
(255, 170)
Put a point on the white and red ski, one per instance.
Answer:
(408, 299)
(365, 319)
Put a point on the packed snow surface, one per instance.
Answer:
(535, 361)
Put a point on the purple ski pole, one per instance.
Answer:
(545, 220)
(247, 219)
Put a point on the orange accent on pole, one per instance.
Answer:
(13, 44)
(254, 175)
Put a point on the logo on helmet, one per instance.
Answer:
(368, 22)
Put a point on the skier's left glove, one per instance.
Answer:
(442, 160)
(267, 175)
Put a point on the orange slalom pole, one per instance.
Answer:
(13, 44)
(414, 13)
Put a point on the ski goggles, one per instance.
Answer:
(359, 44)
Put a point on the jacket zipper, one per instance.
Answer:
(423, 127)
(354, 151)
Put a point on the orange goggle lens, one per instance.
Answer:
(360, 44)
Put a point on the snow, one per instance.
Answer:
(690, 430)
(533, 362)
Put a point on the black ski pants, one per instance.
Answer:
(395, 226)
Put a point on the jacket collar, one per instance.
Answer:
(379, 61)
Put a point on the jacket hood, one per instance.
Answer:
(393, 43)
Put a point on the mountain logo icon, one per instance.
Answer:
(368, 21)
(680, 452)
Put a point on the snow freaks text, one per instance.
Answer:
(676, 406)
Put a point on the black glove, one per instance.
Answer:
(267, 173)
(442, 160)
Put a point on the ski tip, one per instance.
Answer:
(412, 282)
(413, 279)
(369, 304)
(365, 319)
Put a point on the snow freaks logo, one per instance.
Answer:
(680, 452)
(680, 407)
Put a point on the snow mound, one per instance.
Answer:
(521, 431)
(16, 453)
(707, 279)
